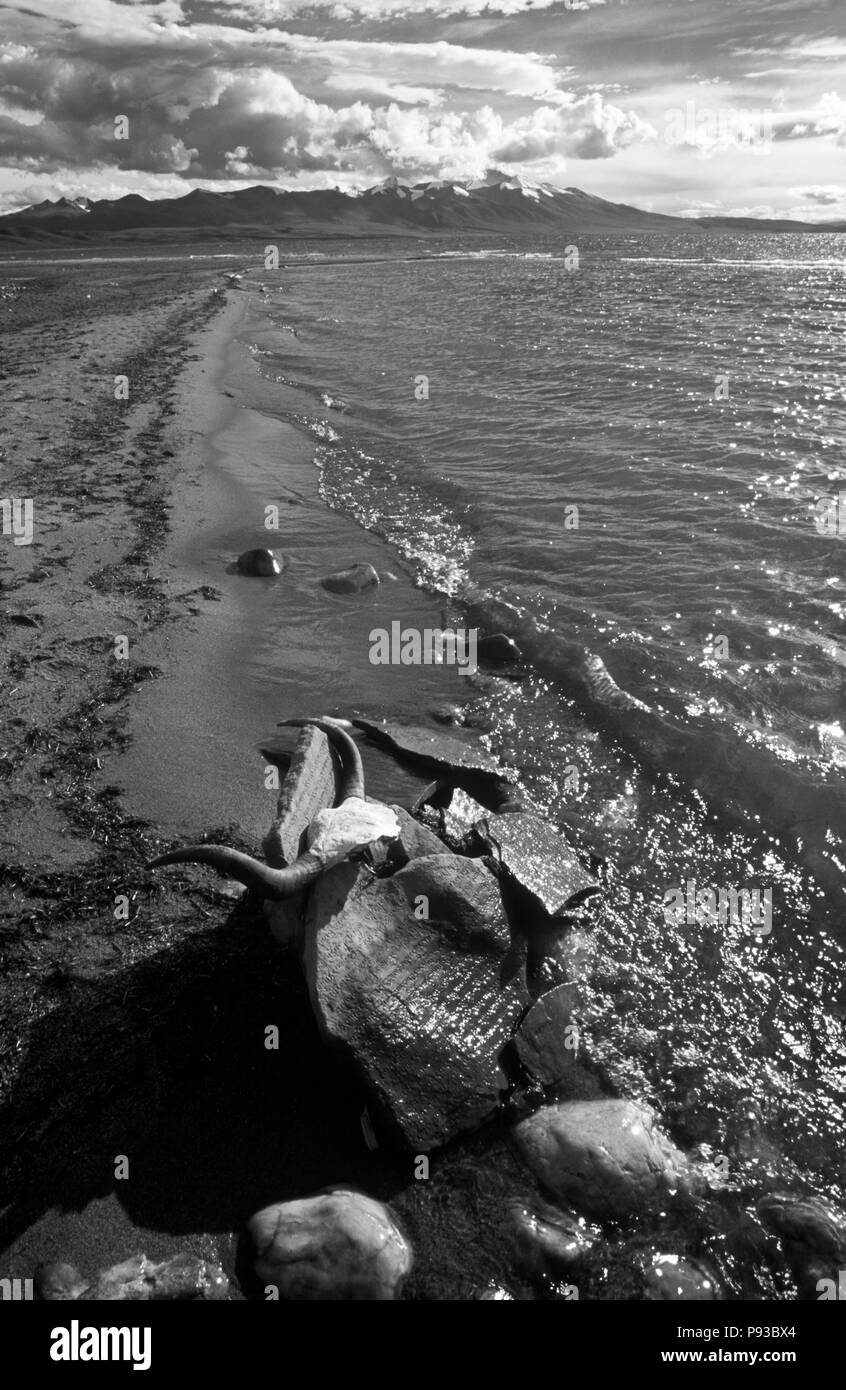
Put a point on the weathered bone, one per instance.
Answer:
(334, 835)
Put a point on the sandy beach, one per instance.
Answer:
(142, 1037)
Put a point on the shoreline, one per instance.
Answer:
(119, 1036)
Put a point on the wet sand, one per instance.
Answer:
(144, 1036)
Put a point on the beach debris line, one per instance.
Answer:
(181, 1277)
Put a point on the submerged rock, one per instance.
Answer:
(352, 580)
(548, 1241)
(263, 563)
(498, 649)
(454, 761)
(406, 975)
(674, 1278)
(813, 1237)
(547, 1040)
(606, 1157)
(337, 1245)
(538, 860)
(447, 714)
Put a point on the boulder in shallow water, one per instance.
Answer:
(547, 1040)
(548, 1241)
(813, 1237)
(352, 580)
(498, 650)
(262, 563)
(606, 1157)
(337, 1245)
(407, 976)
(454, 761)
(539, 861)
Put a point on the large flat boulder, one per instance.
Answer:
(455, 761)
(607, 1157)
(408, 976)
(538, 860)
(310, 784)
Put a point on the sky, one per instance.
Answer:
(679, 106)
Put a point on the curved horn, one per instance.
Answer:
(258, 877)
(352, 768)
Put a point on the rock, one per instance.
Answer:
(57, 1282)
(491, 1293)
(183, 1277)
(458, 821)
(337, 1245)
(310, 785)
(545, 1041)
(538, 860)
(421, 1007)
(415, 841)
(804, 1221)
(352, 580)
(674, 1278)
(462, 896)
(548, 1241)
(606, 1157)
(498, 649)
(447, 714)
(813, 1237)
(454, 761)
(263, 563)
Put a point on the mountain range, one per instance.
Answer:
(495, 204)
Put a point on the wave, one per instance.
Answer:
(748, 784)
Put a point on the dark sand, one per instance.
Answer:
(145, 1038)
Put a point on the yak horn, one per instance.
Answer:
(258, 877)
(352, 778)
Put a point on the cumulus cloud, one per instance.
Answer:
(216, 102)
(827, 195)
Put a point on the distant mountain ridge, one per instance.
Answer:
(496, 204)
